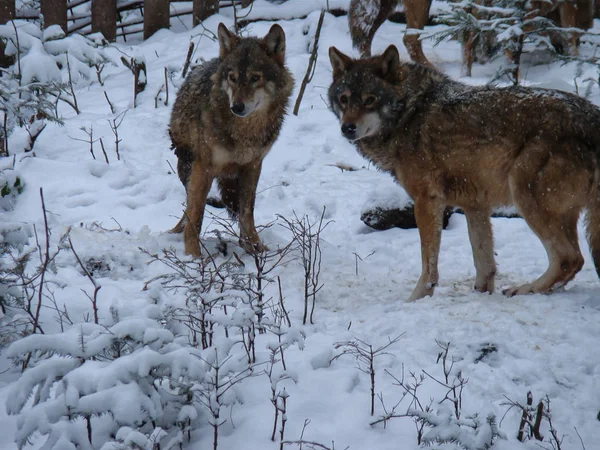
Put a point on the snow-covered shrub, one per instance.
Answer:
(504, 27)
(223, 307)
(83, 386)
(445, 423)
(13, 260)
(470, 433)
(46, 65)
(147, 382)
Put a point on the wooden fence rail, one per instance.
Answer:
(106, 14)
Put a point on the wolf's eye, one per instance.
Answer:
(370, 100)
(255, 78)
(343, 99)
(232, 77)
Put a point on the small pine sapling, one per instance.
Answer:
(307, 238)
(365, 355)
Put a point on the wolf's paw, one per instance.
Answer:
(421, 290)
(485, 285)
(519, 290)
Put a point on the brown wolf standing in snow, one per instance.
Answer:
(227, 115)
(366, 16)
(477, 148)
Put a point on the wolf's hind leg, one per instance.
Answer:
(482, 245)
(550, 193)
(429, 216)
(197, 190)
(564, 256)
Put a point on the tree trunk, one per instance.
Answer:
(156, 16)
(7, 13)
(104, 18)
(55, 13)
(203, 9)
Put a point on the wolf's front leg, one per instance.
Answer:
(197, 191)
(248, 181)
(429, 215)
(482, 244)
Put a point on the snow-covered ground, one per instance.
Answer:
(543, 344)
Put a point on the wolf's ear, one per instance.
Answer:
(274, 42)
(227, 40)
(339, 62)
(389, 61)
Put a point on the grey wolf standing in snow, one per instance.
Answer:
(448, 143)
(227, 115)
(366, 16)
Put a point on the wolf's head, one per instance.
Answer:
(362, 94)
(251, 69)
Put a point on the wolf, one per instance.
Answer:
(477, 148)
(366, 16)
(227, 115)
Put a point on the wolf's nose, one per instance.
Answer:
(238, 108)
(349, 130)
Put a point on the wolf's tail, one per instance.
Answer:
(593, 222)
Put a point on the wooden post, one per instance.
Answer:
(7, 13)
(156, 16)
(202, 9)
(55, 13)
(104, 18)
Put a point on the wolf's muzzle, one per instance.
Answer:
(349, 130)
(238, 109)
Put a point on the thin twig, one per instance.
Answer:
(311, 64)
(94, 300)
(112, 108)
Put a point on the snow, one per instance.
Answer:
(544, 344)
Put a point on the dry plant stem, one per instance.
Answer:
(454, 388)
(90, 139)
(72, 89)
(4, 143)
(310, 70)
(580, 439)
(538, 422)
(112, 108)
(555, 441)
(99, 69)
(283, 419)
(166, 88)
(18, 45)
(93, 299)
(365, 356)
(45, 263)
(281, 304)
(114, 126)
(411, 390)
(104, 151)
(309, 243)
(311, 444)
(157, 95)
(33, 137)
(188, 60)
(139, 84)
(88, 421)
(524, 418)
